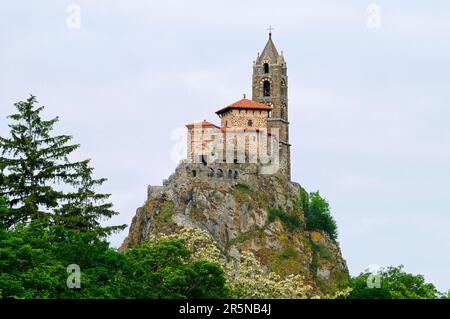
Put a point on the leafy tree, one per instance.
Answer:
(34, 259)
(27, 270)
(304, 200)
(394, 283)
(247, 277)
(33, 162)
(317, 213)
(161, 270)
(291, 221)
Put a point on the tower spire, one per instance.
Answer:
(270, 51)
(270, 29)
(270, 86)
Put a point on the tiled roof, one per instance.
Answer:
(202, 124)
(245, 104)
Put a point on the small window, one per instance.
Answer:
(250, 123)
(266, 67)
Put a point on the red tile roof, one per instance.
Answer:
(202, 124)
(245, 104)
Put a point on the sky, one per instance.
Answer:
(368, 102)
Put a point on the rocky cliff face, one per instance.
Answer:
(233, 203)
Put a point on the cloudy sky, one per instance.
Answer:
(369, 102)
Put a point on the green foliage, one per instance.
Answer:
(34, 170)
(3, 206)
(304, 200)
(242, 186)
(394, 284)
(320, 255)
(321, 250)
(243, 192)
(44, 229)
(291, 221)
(34, 258)
(163, 269)
(288, 253)
(314, 264)
(167, 211)
(317, 213)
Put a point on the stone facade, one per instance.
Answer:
(270, 86)
(251, 131)
(245, 118)
(210, 145)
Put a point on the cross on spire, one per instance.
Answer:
(270, 29)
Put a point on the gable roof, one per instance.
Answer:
(245, 104)
(204, 123)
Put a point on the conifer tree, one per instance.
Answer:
(35, 173)
(85, 208)
(3, 207)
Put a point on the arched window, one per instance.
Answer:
(266, 87)
(250, 123)
(266, 67)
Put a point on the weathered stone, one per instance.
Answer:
(324, 273)
(236, 217)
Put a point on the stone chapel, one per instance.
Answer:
(251, 131)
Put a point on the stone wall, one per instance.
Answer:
(278, 98)
(240, 118)
(201, 141)
(214, 172)
(212, 145)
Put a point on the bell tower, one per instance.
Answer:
(269, 86)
